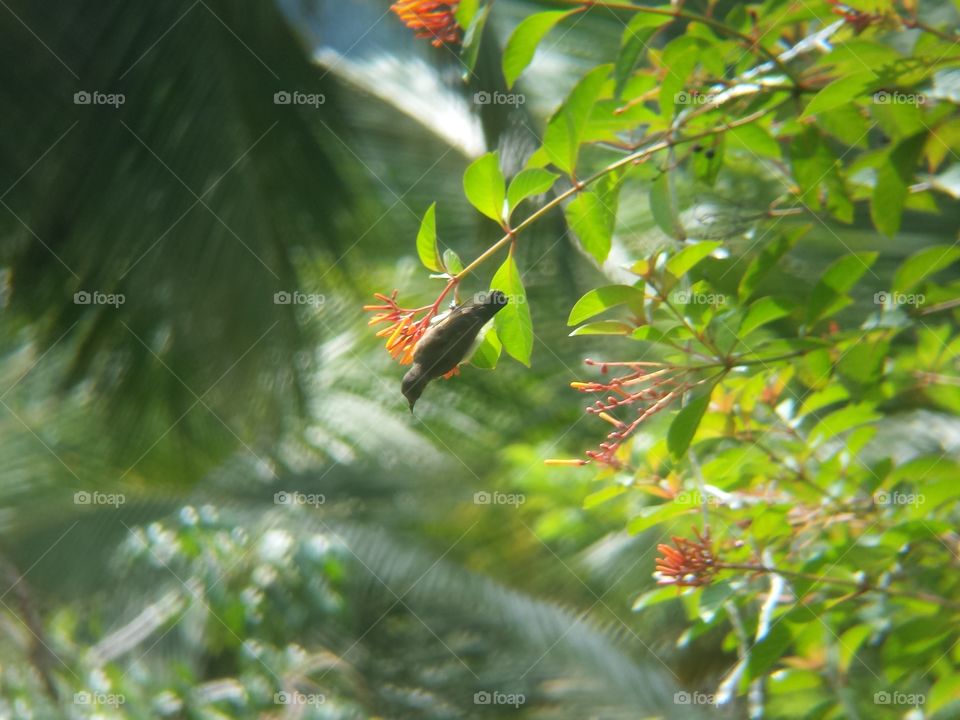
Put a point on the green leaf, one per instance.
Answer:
(451, 261)
(894, 178)
(822, 398)
(815, 165)
(474, 22)
(768, 650)
(487, 352)
(661, 206)
(685, 424)
(840, 92)
(513, 324)
(601, 496)
(527, 183)
(592, 216)
(523, 42)
(921, 265)
(655, 597)
(635, 38)
(766, 260)
(652, 515)
(466, 11)
(850, 642)
(603, 327)
(945, 691)
(754, 140)
(680, 57)
(685, 260)
(603, 298)
(763, 311)
(842, 420)
(485, 187)
(830, 292)
(427, 240)
(561, 140)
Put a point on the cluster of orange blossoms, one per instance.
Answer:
(687, 563)
(405, 329)
(652, 385)
(433, 20)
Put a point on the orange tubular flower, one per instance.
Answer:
(431, 19)
(687, 563)
(405, 329)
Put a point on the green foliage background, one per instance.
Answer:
(393, 591)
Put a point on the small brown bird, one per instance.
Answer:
(448, 341)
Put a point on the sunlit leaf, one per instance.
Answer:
(603, 298)
(688, 258)
(485, 187)
(685, 424)
(523, 42)
(919, 266)
(561, 140)
(527, 183)
(487, 352)
(513, 324)
(427, 240)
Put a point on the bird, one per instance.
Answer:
(446, 343)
